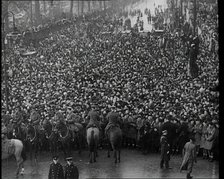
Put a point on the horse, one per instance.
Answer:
(32, 140)
(14, 147)
(51, 136)
(144, 138)
(130, 135)
(65, 137)
(92, 135)
(78, 134)
(114, 136)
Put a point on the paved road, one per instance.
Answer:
(142, 5)
(133, 164)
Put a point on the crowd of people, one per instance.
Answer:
(142, 76)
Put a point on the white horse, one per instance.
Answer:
(92, 140)
(14, 147)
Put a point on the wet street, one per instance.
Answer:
(133, 164)
(142, 5)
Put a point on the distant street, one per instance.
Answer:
(133, 164)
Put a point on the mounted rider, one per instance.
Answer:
(17, 117)
(4, 131)
(94, 117)
(114, 119)
(73, 120)
(35, 118)
(59, 119)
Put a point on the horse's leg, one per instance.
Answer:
(115, 155)
(90, 156)
(119, 155)
(31, 151)
(19, 162)
(79, 143)
(95, 153)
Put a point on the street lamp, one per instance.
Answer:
(12, 36)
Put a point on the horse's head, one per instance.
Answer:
(31, 133)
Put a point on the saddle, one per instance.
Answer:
(75, 127)
(109, 126)
(8, 146)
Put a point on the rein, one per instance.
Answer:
(65, 135)
(50, 133)
(35, 134)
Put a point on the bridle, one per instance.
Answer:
(66, 133)
(52, 131)
(35, 134)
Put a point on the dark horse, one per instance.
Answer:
(130, 135)
(32, 140)
(52, 136)
(65, 137)
(78, 135)
(114, 135)
(150, 139)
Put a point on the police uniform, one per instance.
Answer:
(71, 171)
(56, 170)
(114, 120)
(164, 151)
(94, 119)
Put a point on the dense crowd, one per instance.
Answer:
(144, 76)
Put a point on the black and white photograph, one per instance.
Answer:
(94, 89)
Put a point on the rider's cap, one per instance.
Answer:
(69, 158)
(55, 157)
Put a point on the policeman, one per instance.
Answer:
(165, 156)
(56, 169)
(94, 117)
(114, 119)
(71, 171)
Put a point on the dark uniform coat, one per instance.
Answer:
(94, 118)
(56, 171)
(71, 172)
(164, 148)
(113, 118)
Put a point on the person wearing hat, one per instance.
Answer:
(4, 131)
(189, 157)
(171, 130)
(197, 129)
(165, 155)
(210, 140)
(94, 117)
(113, 119)
(56, 169)
(71, 171)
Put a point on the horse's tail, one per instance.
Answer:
(23, 154)
(92, 141)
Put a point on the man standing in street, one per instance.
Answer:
(189, 153)
(56, 169)
(165, 155)
(71, 171)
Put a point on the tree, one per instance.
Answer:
(37, 12)
(82, 7)
(88, 6)
(71, 9)
(44, 4)
(78, 7)
(5, 9)
(100, 2)
(104, 5)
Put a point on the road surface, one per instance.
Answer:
(133, 165)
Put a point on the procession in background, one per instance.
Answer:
(114, 77)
